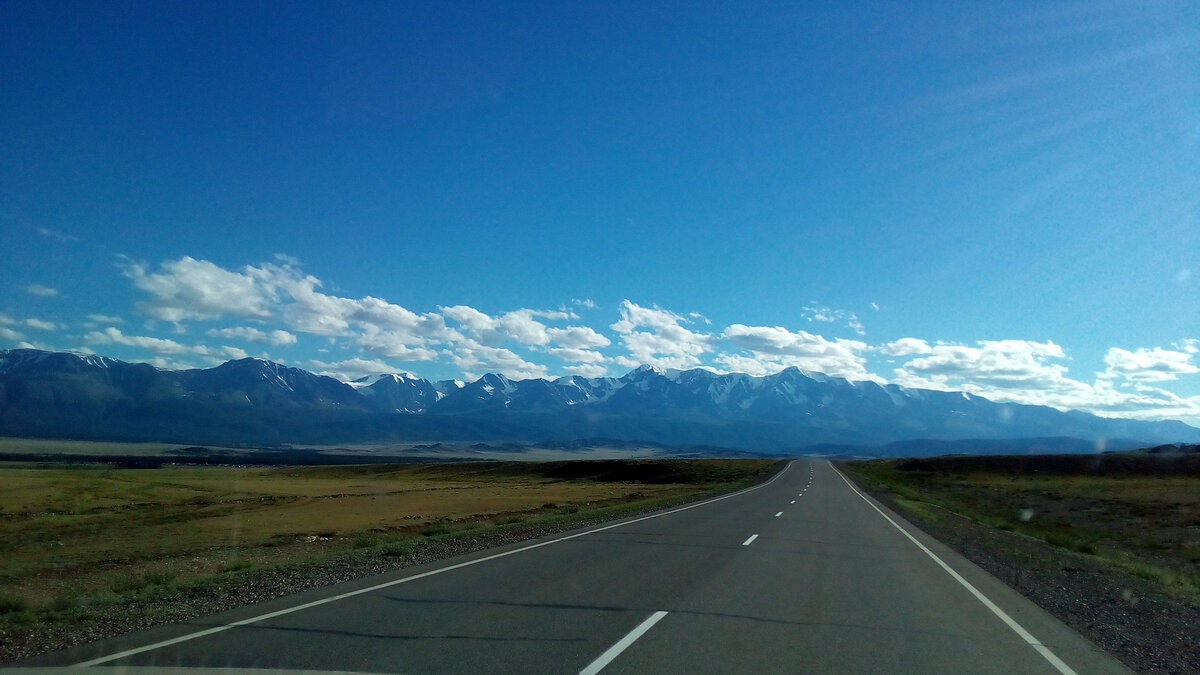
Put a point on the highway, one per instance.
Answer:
(801, 574)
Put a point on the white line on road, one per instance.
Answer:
(779, 514)
(1016, 627)
(750, 540)
(622, 644)
(395, 582)
(793, 501)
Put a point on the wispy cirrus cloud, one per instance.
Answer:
(41, 290)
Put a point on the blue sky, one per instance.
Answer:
(996, 197)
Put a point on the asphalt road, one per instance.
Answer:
(802, 574)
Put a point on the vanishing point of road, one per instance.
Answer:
(800, 574)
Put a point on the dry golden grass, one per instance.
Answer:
(84, 530)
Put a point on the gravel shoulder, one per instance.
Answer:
(1122, 613)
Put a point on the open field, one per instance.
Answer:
(1134, 516)
(1108, 543)
(77, 541)
(153, 455)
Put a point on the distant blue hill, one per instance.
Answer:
(251, 401)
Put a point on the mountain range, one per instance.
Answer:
(252, 401)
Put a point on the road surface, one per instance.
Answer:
(802, 574)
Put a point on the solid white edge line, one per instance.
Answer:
(386, 584)
(1008, 620)
(622, 644)
(750, 540)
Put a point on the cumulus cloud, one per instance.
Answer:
(587, 370)
(189, 289)
(355, 368)
(471, 357)
(580, 355)
(161, 345)
(585, 303)
(1002, 364)
(1149, 365)
(198, 289)
(519, 325)
(775, 348)
(905, 347)
(391, 344)
(577, 337)
(665, 343)
(40, 290)
(275, 337)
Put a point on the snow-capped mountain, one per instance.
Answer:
(256, 401)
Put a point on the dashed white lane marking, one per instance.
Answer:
(750, 540)
(793, 501)
(387, 584)
(622, 644)
(1008, 620)
(779, 514)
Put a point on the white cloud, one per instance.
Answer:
(577, 337)
(818, 312)
(587, 370)
(906, 347)
(104, 318)
(197, 289)
(40, 290)
(351, 369)
(470, 355)
(165, 363)
(666, 344)
(775, 348)
(1148, 365)
(519, 325)
(586, 303)
(8, 333)
(391, 345)
(579, 355)
(112, 335)
(41, 325)
(1000, 364)
(187, 289)
(275, 337)
(58, 236)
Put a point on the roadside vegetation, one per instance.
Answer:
(80, 544)
(1109, 544)
(1140, 513)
